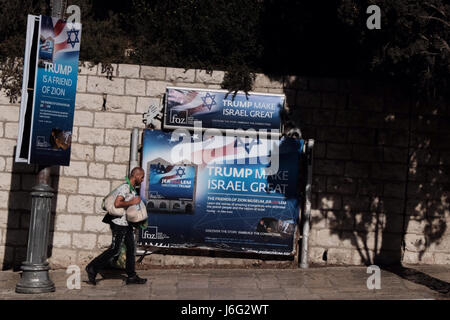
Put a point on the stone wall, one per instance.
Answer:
(381, 166)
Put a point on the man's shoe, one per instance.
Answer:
(136, 280)
(91, 275)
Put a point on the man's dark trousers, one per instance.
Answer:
(120, 234)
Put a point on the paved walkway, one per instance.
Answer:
(412, 282)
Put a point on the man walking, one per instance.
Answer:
(122, 232)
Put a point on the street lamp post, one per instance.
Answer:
(35, 277)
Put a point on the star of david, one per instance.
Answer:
(181, 172)
(69, 37)
(247, 145)
(211, 99)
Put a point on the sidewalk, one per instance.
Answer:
(410, 282)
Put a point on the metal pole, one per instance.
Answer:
(307, 215)
(35, 277)
(134, 162)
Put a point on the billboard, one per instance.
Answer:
(232, 193)
(221, 110)
(48, 91)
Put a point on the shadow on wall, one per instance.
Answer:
(23, 179)
(381, 169)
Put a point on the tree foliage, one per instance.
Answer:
(276, 37)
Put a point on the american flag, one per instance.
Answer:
(193, 102)
(58, 32)
(169, 173)
(222, 149)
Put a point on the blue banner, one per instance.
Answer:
(55, 91)
(218, 109)
(222, 192)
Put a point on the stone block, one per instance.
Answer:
(334, 100)
(263, 81)
(121, 104)
(122, 155)
(339, 256)
(91, 136)
(96, 170)
(361, 135)
(392, 137)
(9, 113)
(156, 88)
(341, 185)
(83, 118)
(92, 102)
(68, 185)
(357, 203)
(103, 241)
(61, 201)
(81, 83)
(104, 153)
(330, 202)
(144, 102)
(68, 222)
(116, 171)
(93, 187)
(11, 130)
(393, 172)
(330, 134)
(116, 137)
(76, 169)
(135, 87)
(308, 99)
(80, 204)
(62, 258)
(367, 153)
(85, 241)
(62, 239)
(329, 167)
(180, 75)
(153, 73)
(441, 258)
(128, 71)
(411, 257)
(325, 238)
(82, 152)
(7, 147)
(209, 77)
(95, 224)
(339, 151)
(135, 121)
(9, 181)
(87, 68)
(109, 120)
(104, 85)
(356, 170)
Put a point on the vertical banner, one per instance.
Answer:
(222, 110)
(220, 192)
(55, 87)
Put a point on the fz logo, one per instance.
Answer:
(150, 233)
(178, 117)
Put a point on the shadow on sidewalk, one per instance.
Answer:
(421, 278)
